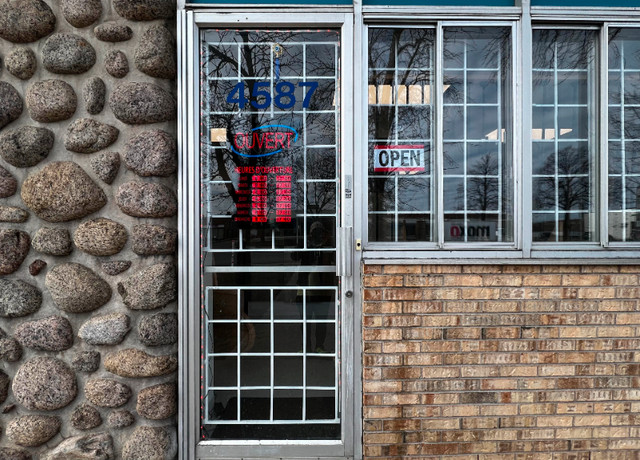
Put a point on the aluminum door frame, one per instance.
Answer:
(189, 444)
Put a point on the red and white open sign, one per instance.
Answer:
(398, 158)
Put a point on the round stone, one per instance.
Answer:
(100, 237)
(25, 21)
(149, 442)
(97, 446)
(65, 53)
(36, 267)
(85, 417)
(109, 329)
(33, 430)
(94, 94)
(113, 32)
(53, 333)
(9, 453)
(134, 363)
(106, 166)
(81, 13)
(151, 240)
(152, 153)
(10, 350)
(142, 103)
(21, 63)
(156, 53)
(4, 386)
(159, 329)
(26, 146)
(145, 199)
(86, 361)
(150, 288)
(76, 288)
(18, 298)
(10, 102)
(120, 419)
(86, 135)
(145, 10)
(44, 383)
(8, 183)
(13, 214)
(158, 402)
(61, 192)
(51, 100)
(116, 64)
(14, 246)
(107, 392)
(116, 267)
(52, 241)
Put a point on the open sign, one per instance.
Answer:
(398, 158)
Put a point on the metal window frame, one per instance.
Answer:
(605, 132)
(440, 248)
(188, 27)
(524, 251)
(594, 100)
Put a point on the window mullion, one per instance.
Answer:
(439, 146)
(525, 197)
(604, 138)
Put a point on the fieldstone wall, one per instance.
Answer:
(88, 280)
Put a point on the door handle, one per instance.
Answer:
(345, 251)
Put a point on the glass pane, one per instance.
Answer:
(478, 187)
(287, 405)
(270, 118)
(624, 131)
(400, 130)
(564, 135)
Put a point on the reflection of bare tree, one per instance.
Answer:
(566, 49)
(482, 190)
(568, 190)
(413, 45)
(250, 60)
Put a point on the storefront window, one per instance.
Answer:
(401, 66)
(564, 135)
(416, 183)
(477, 163)
(624, 135)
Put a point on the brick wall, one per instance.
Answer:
(501, 362)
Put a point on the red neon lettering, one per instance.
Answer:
(269, 140)
(279, 140)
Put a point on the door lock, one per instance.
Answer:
(348, 294)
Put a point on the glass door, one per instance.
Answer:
(270, 165)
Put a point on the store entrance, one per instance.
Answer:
(270, 209)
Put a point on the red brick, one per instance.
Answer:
(383, 281)
(395, 269)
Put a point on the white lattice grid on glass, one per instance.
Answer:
(556, 132)
(208, 207)
(388, 95)
(623, 220)
(304, 354)
(494, 137)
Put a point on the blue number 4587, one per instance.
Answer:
(284, 95)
